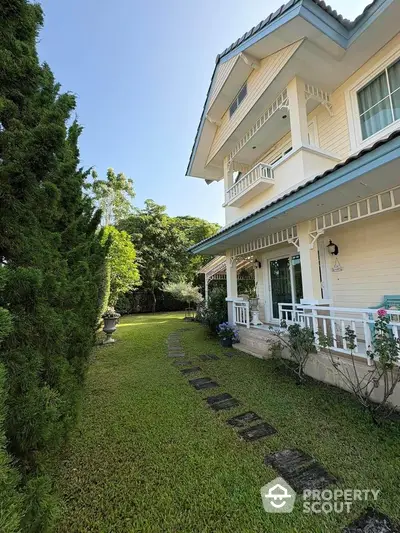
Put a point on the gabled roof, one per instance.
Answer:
(348, 29)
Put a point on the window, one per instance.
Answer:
(283, 153)
(241, 95)
(379, 101)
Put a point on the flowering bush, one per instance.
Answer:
(228, 331)
(111, 313)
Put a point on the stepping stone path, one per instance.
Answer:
(208, 357)
(190, 370)
(257, 432)
(226, 404)
(179, 362)
(243, 420)
(300, 470)
(203, 383)
(219, 398)
(372, 522)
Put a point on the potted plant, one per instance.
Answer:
(227, 334)
(110, 319)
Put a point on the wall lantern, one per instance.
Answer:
(257, 263)
(333, 248)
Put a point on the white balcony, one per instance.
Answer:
(260, 178)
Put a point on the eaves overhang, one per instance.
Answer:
(332, 27)
(375, 157)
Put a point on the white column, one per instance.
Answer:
(309, 264)
(231, 283)
(298, 112)
(206, 289)
(228, 176)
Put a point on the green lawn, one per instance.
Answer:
(148, 456)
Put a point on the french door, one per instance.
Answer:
(285, 282)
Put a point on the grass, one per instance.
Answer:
(148, 456)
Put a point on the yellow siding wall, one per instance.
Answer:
(369, 255)
(257, 83)
(333, 131)
(223, 72)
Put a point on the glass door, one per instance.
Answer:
(286, 283)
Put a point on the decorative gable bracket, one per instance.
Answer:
(320, 96)
(250, 60)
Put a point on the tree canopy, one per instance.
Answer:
(121, 261)
(113, 196)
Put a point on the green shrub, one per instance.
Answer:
(10, 499)
(52, 262)
(215, 311)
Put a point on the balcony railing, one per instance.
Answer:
(332, 321)
(241, 312)
(259, 178)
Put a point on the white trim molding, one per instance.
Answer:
(356, 141)
(314, 93)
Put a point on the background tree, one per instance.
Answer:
(195, 230)
(113, 196)
(160, 246)
(185, 292)
(51, 260)
(121, 263)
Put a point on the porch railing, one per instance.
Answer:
(241, 312)
(260, 172)
(332, 321)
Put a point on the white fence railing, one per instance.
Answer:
(332, 321)
(256, 174)
(241, 312)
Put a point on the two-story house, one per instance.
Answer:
(302, 122)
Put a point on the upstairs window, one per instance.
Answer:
(241, 95)
(379, 101)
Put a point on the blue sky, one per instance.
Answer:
(141, 70)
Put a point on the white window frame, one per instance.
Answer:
(357, 143)
(238, 104)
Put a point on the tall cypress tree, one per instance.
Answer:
(51, 256)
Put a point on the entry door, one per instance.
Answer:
(286, 283)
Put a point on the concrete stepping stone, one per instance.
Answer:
(300, 470)
(203, 383)
(176, 354)
(179, 362)
(218, 398)
(208, 357)
(190, 370)
(230, 354)
(226, 404)
(257, 432)
(372, 522)
(243, 420)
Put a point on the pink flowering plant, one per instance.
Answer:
(228, 331)
(382, 371)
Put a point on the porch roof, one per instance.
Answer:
(381, 154)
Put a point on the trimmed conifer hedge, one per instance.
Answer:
(52, 263)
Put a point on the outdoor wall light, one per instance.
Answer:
(333, 248)
(257, 263)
